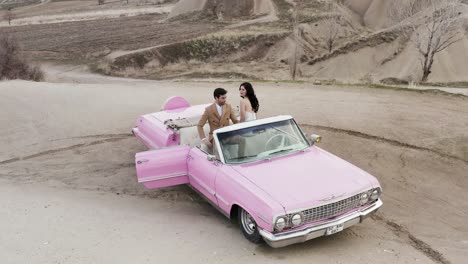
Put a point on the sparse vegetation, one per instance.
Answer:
(449, 84)
(205, 74)
(294, 64)
(17, 3)
(9, 15)
(400, 88)
(13, 65)
(402, 41)
(316, 31)
(205, 48)
(333, 26)
(227, 9)
(442, 27)
(70, 42)
(365, 41)
(284, 10)
(201, 49)
(394, 81)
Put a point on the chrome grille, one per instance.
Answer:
(331, 210)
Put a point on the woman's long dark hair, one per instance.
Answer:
(250, 93)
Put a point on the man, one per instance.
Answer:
(217, 115)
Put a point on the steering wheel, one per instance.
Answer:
(282, 142)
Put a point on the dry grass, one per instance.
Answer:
(89, 15)
(363, 42)
(284, 10)
(207, 49)
(13, 64)
(17, 3)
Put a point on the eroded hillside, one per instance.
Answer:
(347, 40)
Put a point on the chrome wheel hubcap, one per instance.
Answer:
(248, 223)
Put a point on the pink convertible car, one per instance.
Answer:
(266, 173)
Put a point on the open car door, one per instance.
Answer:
(162, 167)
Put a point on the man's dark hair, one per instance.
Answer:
(219, 92)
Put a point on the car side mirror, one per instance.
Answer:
(211, 157)
(315, 139)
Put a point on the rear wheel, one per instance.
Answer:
(248, 226)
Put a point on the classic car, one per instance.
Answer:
(266, 174)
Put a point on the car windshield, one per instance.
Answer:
(262, 141)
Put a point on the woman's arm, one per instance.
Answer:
(242, 110)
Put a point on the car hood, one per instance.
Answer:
(307, 178)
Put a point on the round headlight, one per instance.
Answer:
(296, 219)
(375, 194)
(364, 198)
(280, 223)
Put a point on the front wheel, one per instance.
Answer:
(248, 226)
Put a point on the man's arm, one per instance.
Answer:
(202, 123)
(233, 117)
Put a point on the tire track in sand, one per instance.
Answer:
(385, 140)
(415, 242)
(117, 137)
(53, 151)
(396, 228)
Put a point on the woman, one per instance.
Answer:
(249, 103)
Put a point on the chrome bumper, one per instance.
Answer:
(285, 239)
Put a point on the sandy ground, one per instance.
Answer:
(69, 194)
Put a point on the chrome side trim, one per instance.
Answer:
(209, 201)
(209, 190)
(221, 199)
(193, 188)
(155, 178)
(285, 239)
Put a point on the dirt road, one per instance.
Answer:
(69, 194)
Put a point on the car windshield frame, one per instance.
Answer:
(296, 133)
